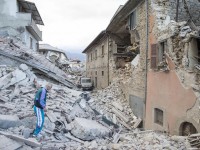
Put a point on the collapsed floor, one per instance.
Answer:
(73, 120)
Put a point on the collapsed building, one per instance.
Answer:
(55, 55)
(161, 40)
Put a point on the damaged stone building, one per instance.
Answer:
(163, 89)
(21, 19)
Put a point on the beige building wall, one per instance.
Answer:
(97, 64)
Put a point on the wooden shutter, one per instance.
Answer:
(154, 54)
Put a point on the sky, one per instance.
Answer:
(71, 25)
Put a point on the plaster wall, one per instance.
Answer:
(8, 7)
(165, 90)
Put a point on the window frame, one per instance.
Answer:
(133, 20)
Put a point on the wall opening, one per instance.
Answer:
(158, 116)
(187, 128)
(95, 82)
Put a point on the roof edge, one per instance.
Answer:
(99, 36)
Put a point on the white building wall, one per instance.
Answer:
(27, 40)
(8, 7)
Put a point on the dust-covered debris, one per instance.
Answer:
(97, 120)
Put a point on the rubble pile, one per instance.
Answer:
(14, 52)
(111, 103)
(73, 120)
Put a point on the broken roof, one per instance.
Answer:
(47, 47)
(121, 14)
(95, 41)
(30, 7)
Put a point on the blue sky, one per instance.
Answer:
(72, 24)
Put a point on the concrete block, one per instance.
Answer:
(8, 144)
(88, 129)
(23, 67)
(7, 121)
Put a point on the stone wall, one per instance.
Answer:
(193, 6)
(95, 66)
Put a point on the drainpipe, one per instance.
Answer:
(147, 47)
(177, 6)
(108, 57)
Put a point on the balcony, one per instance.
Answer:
(34, 30)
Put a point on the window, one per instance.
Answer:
(95, 54)
(102, 73)
(132, 20)
(102, 50)
(31, 43)
(153, 56)
(37, 46)
(91, 56)
(194, 54)
(88, 58)
(158, 116)
(198, 46)
(158, 57)
(95, 72)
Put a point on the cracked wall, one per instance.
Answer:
(163, 86)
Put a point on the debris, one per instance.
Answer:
(88, 129)
(120, 115)
(6, 143)
(194, 140)
(137, 123)
(31, 141)
(73, 138)
(7, 121)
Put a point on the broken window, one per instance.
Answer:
(31, 43)
(102, 51)
(158, 116)
(194, 53)
(158, 57)
(132, 20)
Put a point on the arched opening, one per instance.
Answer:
(187, 128)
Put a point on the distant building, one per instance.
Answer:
(55, 55)
(21, 18)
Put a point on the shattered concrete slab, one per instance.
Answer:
(88, 129)
(7, 121)
(15, 50)
(30, 142)
(8, 144)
